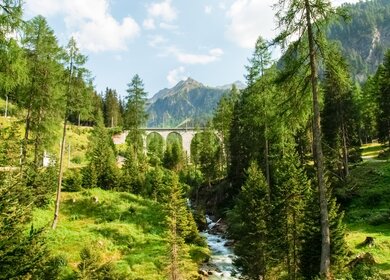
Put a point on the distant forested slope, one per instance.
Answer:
(364, 36)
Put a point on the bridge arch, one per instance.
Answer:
(186, 135)
(174, 136)
(204, 138)
(155, 146)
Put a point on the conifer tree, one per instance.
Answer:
(340, 117)
(112, 114)
(134, 118)
(209, 155)
(181, 226)
(101, 156)
(222, 121)
(307, 20)
(173, 155)
(174, 240)
(155, 149)
(43, 98)
(289, 198)
(22, 254)
(13, 68)
(249, 224)
(74, 88)
(383, 119)
(135, 115)
(310, 256)
(368, 108)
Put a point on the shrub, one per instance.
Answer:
(72, 181)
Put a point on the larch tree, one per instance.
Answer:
(306, 22)
(13, 65)
(43, 98)
(74, 87)
(260, 61)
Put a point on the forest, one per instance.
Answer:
(296, 164)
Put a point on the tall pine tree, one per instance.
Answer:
(383, 119)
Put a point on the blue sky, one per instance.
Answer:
(164, 41)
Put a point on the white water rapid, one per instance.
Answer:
(221, 261)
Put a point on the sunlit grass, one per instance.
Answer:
(372, 150)
(368, 213)
(356, 235)
(129, 231)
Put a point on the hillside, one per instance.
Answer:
(367, 208)
(126, 230)
(364, 36)
(189, 102)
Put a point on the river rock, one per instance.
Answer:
(219, 228)
(229, 243)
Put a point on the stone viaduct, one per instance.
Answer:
(187, 134)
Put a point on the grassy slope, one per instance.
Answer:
(77, 137)
(128, 230)
(369, 211)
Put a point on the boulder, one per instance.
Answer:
(366, 258)
(368, 242)
(229, 243)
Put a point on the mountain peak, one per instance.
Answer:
(188, 84)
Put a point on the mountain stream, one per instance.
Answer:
(221, 261)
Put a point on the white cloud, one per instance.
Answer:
(208, 9)
(90, 22)
(212, 55)
(189, 58)
(106, 34)
(176, 75)
(249, 19)
(163, 13)
(149, 24)
(167, 26)
(163, 10)
(156, 41)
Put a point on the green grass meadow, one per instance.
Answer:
(368, 213)
(125, 229)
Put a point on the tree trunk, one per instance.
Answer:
(318, 156)
(267, 163)
(26, 133)
(58, 196)
(6, 106)
(345, 151)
